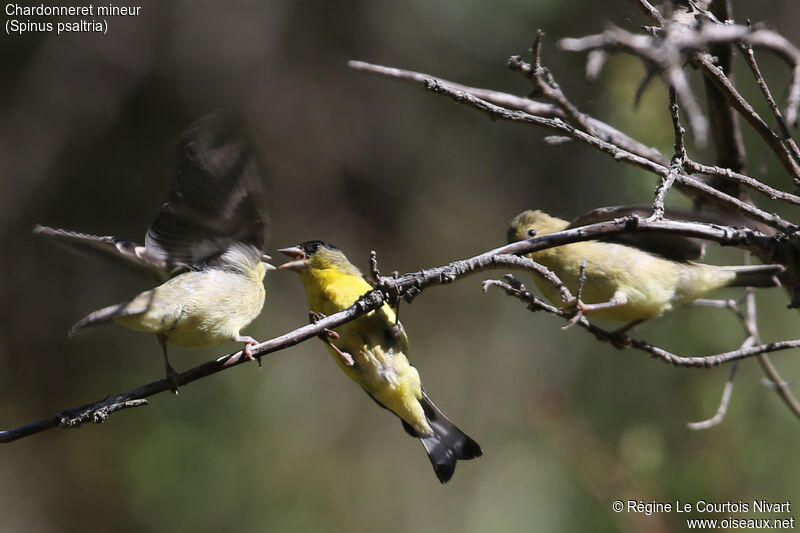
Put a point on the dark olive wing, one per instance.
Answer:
(668, 245)
(122, 252)
(217, 197)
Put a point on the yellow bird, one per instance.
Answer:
(624, 283)
(372, 351)
(207, 242)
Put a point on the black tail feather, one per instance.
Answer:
(757, 275)
(447, 445)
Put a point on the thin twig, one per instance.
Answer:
(668, 51)
(546, 86)
(675, 164)
(750, 59)
(738, 102)
(736, 177)
(650, 11)
(727, 391)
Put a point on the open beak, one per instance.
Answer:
(298, 258)
(265, 259)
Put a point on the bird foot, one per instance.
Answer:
(582, 309)
(172, 376)
(327, 336)
(619, 340)
(395, 331)
(579, 310)
(247, 351)
(249, 342)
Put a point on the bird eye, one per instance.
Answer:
(531, 232)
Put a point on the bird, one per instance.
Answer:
(205, 246)
(373, 351)
(623, 282)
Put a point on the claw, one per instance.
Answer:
(172, 376)
(247, 350)
(249, 342)
(582, 309)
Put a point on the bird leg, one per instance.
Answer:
(171, 374)
(583, 309)
(327, 335)
(249, 342)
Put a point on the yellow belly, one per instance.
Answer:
(377, 347)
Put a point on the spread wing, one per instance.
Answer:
(668, 245)
(126, 253)
(217, 197)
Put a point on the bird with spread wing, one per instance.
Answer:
(206, 245)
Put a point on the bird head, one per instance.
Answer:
(530, 224)
(317, 255)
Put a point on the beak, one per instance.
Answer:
(296, 253)
(267, 266)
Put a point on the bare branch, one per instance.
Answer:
(545, 85)
(750, 59)
(392, 289)
(667, 53)
(677, 161)
(99, 411)
(650, 11)
(780, 385)
(514, 102)
(738, 102)
(742, 179)
(621, 147)
(558, 125)
(727, 391)
(659, 353)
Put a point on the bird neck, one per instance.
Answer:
(331, 290)
(244, 259)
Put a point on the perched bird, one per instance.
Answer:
(624, 283)
(372, 351)
(206, 244)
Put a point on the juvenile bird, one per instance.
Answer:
(207, 242)
(624, 283)
(372, 350)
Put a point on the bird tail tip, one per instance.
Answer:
(101, 316)
(448, 443)
(758, 276)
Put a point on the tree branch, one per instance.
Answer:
(517, 290)
(567, 130)
(97, 412)
(510, 101)
(392, 289)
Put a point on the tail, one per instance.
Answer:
(756, 275)
(101, 316)
(447, 445)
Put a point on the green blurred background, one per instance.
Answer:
(568, 425)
